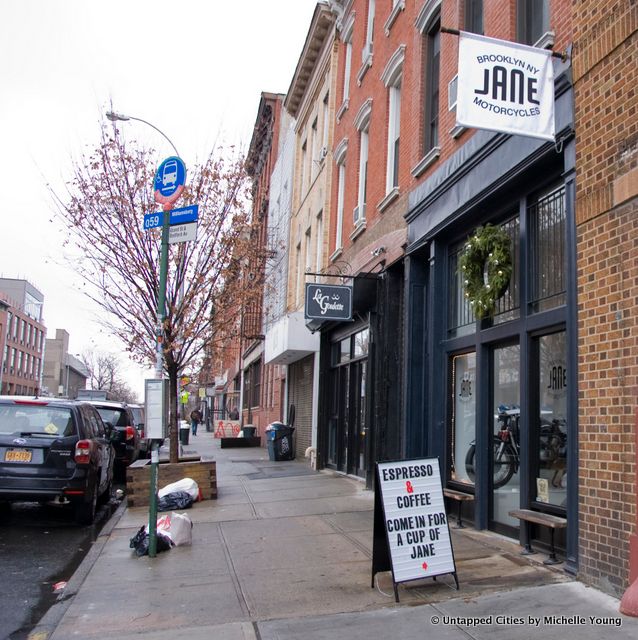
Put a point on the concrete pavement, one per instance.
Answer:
(285, 553)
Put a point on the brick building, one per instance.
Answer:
(22, 337)
(262, 385)
(310, 101)
(417, 372)
(605, 76)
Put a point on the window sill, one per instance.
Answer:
(428, 160)
(388, 200)
(367, 63)
(336, 254)
(456, 131)
(359, 228)
(396, 10)
(342, 109)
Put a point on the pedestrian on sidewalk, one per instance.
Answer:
(196, 418)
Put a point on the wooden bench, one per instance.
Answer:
(545, 519)
(460, 497)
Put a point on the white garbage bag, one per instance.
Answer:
(185, 484)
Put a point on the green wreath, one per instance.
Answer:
(486, 267)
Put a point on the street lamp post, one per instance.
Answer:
(161, 315)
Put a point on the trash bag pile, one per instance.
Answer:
(174, 529)
(178, 495)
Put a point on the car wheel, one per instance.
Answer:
(85, 511)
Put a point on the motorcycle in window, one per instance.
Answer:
(506, 446)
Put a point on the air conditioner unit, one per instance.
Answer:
(359, 214)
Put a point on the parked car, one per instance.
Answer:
(54, 449)
(125, 437)
(140, 425)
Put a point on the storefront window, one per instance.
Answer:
(461, 320)
(361, 343)
(547, 250)
(551, 482)
(506, 441)
(508, 306)
(463, 430)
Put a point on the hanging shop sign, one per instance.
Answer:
(411, 534)
(505, 86)
(328, 302)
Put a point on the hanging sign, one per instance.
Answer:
(410, 509)
(505, 86)
(328, 302)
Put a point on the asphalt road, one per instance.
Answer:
(40, 546)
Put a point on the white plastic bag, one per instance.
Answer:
(185, 484)
(177, 527)
(181, 529)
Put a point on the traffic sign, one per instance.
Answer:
(182, 232)
(170, 179)
(177, 216)
(185, 214)
(153, 220)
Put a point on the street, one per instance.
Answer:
(40, 545)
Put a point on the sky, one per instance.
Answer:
(194, 69)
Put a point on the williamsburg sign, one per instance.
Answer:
(505, 86)
(328, 302)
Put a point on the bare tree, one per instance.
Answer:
(103, 210)
(105, 373)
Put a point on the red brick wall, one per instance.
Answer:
(605, 77)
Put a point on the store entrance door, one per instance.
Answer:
(347, 423)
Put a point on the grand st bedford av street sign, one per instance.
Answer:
(328, 302)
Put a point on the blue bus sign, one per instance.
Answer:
(170, 179)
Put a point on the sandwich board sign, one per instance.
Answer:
(411, 533)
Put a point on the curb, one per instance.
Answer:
(49, 622)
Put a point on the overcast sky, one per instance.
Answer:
(193, 68)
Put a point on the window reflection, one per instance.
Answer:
(551, 483)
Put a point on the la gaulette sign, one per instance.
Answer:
(414, 520)
(328, 302)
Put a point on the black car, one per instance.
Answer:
(140, 425)
(125, 437)
(53, 449)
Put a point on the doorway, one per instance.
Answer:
(347, 423)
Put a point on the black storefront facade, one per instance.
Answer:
(463, 377)
(360, 380)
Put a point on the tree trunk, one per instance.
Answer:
(173, 426)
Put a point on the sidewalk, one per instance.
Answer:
(285, 553)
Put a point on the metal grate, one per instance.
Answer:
(547, 251)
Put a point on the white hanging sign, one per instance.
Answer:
(505, 86)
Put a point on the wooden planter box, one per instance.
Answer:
(138, 478)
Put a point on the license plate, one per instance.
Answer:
(17, 455)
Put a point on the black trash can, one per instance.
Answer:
(279, 441)
(249, 431)
(183, 434)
